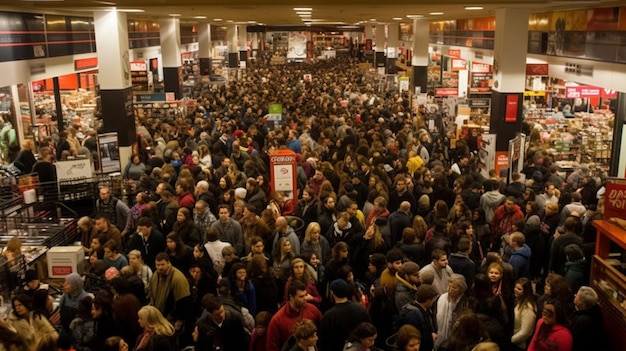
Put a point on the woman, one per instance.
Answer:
(298, 272)
(370, 243)
(180, 254)
(31, 329)
(282, 257)
(258, 339)
(141, 270)
(125, 308)
(341, 230)
(141, 201)
(204, 158)
(134, 169)
(467, 333)
(525, 313)
(115, 343)
(308, 206)
(460, 213)
(556, 287)
(550, 331)
(535, 236)
(73, 293)
(305, 333)
(241, 288)
(338, 259)
(412, 247)
(83, 326)
(186, 228)
(202, 259)
(440, 210)
(112, 257)
(158, 333)
(12, 250)
(315, 243)
(264, 284)
(362, 338)
(408, 338)
(280, 206)
(199, 285)
(314, 267)
(224, 185)
(482, 230)
(102, 314)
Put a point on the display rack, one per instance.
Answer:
(158, 109)
(139, 80)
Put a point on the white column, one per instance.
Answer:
(509, 54)
(112, 40)
(170, 42)
(420, 43)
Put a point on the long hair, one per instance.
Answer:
(257, 266)
(377, 240)
(313, 226)
(528, 297)
(179, 251)
(336, 251)
(305, 276)
(154, 319)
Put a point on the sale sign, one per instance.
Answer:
(512, 104)
(615, 200)
(482, 68)
(458, 64)
(454, 52)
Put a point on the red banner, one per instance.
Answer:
(454, 52)
(615, 200)
(86, 63)
(537, 69)
(512, 103)
(502, 161)
(446, 92)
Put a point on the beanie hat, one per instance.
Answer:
(409, 268)
(339, 287)
(111, 273)
(240, 193)
(30, 275)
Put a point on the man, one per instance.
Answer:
(379, 211)
(228, 229)
(252, 225)
(257, 248)
(574, 206)
(504, 217)
(148, 240)
(169, 291)
(218, 328)
(115, 210)
(203, 217)
(222, 170)
(461, 263)
(202, 193)
(516, 188)
(47, 174)
(407, 280)
(284, 230)
(296, 309)
(491, 199)
(557, 250)
(339, 321)
(587, 325)
(293, 143)
(549, 195)
(448, 308)
(316, 181)
(401, 194)
(459, 167)
(103, 226)
(184, 197)
(388, 276)
(520, 258)
(398, 220)
(214, 247)
(168, 210)
(255, 196)
(440, 270)
(419, 314)
(357, 218)
(237, 156)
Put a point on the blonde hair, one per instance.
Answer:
(309, 230)
(154, 319)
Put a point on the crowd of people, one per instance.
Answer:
(393, 240)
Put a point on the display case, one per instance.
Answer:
(159, 109)
(609, 281)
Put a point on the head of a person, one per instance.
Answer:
(229, 253)
(440, 258)
(517, 240)
(297, 294)
(105, 194)
(553, 313)
(494, 272)
(394, 259)
(101, 222)
(509, 204)
(425, 294)
(115, 343)
(408, 338)
(365, 333)
(162, 263)
(151, 317)
(22, 305)
(73, 284)
(585, 298)
(376, 264)
(261, 321)
(456, 286)
(214, 308)
(305, 333)
(313, 232)
(410, 271)
(339, 251)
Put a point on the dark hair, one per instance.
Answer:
(144, 221)
(362, 331)
(112, 343)
(162, 256)
(24, 300)
(39, 302)
(211, 302)
(405, 334)
(294, 287)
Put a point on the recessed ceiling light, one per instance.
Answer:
(251, 21)
(175, 14)
(473, 8)
(199, 17)
(303, 12)
(229, 21)
(309, 15)
(414, 16)
(372, 19)
(217, 19)
(303, 9)
(436, 13)
(108, 3)
(131, 10)
(42, 0)
(397, 18)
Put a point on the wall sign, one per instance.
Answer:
(74, 169)
(512, 103)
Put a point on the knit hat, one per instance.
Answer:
(573, 252)
(111, 273)
(339, 287)
(409, 268)
(240, 193)
(30, 275)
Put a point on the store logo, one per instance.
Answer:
(617, 198)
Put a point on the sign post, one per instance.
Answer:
(283, 173)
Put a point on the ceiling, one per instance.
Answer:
(281, 12)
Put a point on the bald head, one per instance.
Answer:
(281, 224)
(405, 207)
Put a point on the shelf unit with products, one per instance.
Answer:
(159, 109)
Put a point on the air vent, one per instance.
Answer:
(580, 70)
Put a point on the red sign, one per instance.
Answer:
(447, 91)
(87, 63)
(458, 64)
(454, 52)
(478, 67)
(512, 102)
(615, 200)
(138, 66)
(537, 69)
(502, 160)
(61, 270)
(283, 174)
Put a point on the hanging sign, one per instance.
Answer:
(283, 173)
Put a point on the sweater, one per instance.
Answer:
(559, 338)
(523, 325)
(282, 323)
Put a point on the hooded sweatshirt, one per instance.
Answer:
(490, 201)
(520, 261)
(69, 301)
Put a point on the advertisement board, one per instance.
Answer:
(283, 173)
(615, 199)
(108, 149)
(487, 154)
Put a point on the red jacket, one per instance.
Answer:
(281, 325)
(502, 220)
(186, 200)
(559, 338)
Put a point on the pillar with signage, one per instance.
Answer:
(393, 35)
(419, 60)
(114, 76)
(170, 51)
(283, 173)
(242, 39)
(379, 56)
(509, 68)
(205, 49)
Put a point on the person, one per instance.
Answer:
(587, 325)
(229, 230)
(297, 309)
(362, 338)
(305, 333)
(10, 338)
(418, 313)
(491, 199)
(158, 332)
(550, 331)
(525, 313)
(102, 314)
(341, 230)
(252, 225)
(32, 330)
(112, 257)
(407, 280)
(140, 269)
(203, 216)
(308, 206)
(108, 230)
(218, 328)
(298, 272)
(113, 209)
(126, 305)
(186, 228)
(460, 261)
(214, 247)
(115, 343)
(341, 319)
(440, 269)
(448, 308)
(169, 291)
(241, 287)
(468, 332)
(558, 258)
(82, 326)
(316, 243)
(504, 217)
(408, 338)
(399, 220)
(73, 292)
(258, 339)
(47, 174)
(25, 159)
(148, 241)
(520, 258)
(284, 230)
(32, 283)
(548, 195)
(134, 169)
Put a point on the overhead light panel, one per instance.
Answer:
(217, 19)
(303, 12)
(199, 17)
(397, 18)
(175, 14)
(131, 10)
(303, 9)
(414, 16)
(436, 13)
(473, 8)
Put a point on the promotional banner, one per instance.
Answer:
(404, 83)
(297, 45)
(487, 154)
(283, 173)
(74, 169)
(109, 152)
(516, 155)
(615, 199)
(275, 116)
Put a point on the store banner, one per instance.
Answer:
(512, 102)
(502, 161)
(108, 149)
(483, 68)
(275, 116)
(297, 45)
(537, 69)
(403, 84)
(446, 92)
(74, 169)
(615, 200)
(283, 173)
(458, 64)
(454, 53)
(486, 153)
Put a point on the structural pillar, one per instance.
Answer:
(242, 34)
(254, 45)
(379, 39)
(393, 37)
(116, 95)
(233, 49)
(170, 51)
(419, 60)
(205, 49)
(509, 74)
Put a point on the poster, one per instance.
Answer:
(74, 169)
(615, 199)
(275, 116)
(486, 154)
(516, 152)
(297, 45)
(109, 152)
(283, 173)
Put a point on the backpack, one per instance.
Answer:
(241, 312)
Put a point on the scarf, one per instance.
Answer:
(145, 337)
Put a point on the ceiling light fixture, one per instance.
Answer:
(436, 13)
(131, 10)
(473, 8)
(42, 0)
(199, 17)
(217, 19)
(304, 12)
(414, 16)
(175, 14)
(303, 9)
(309, 15)
(397, 18)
